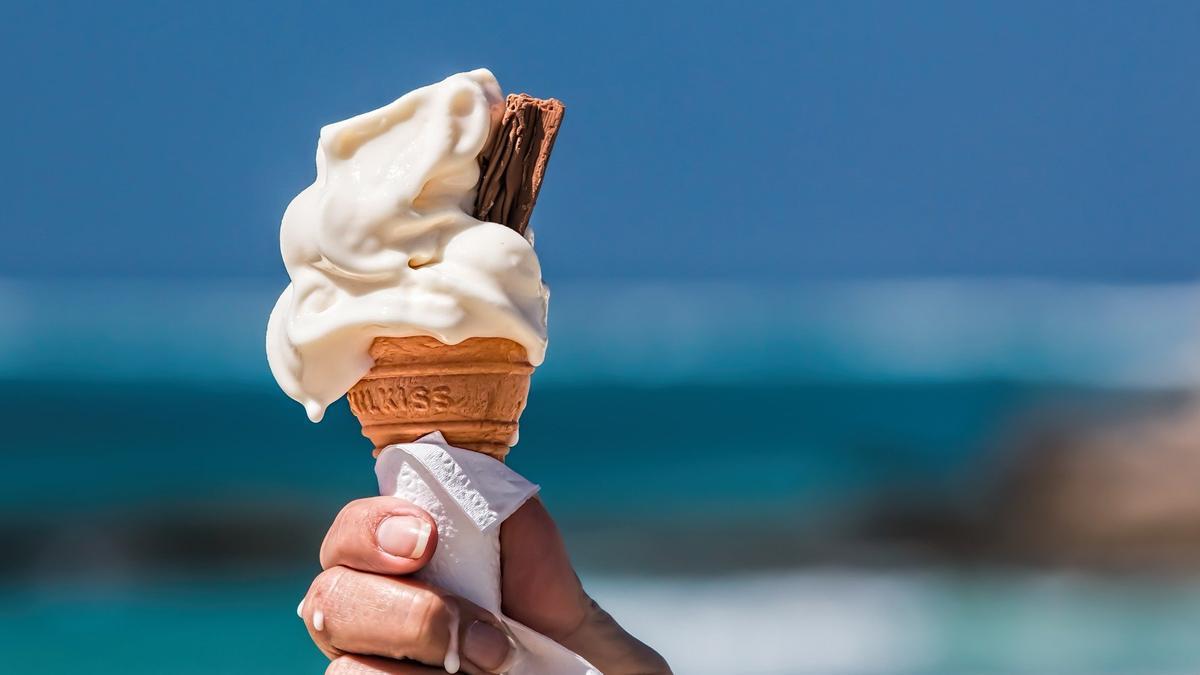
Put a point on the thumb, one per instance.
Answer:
(539, 586)
(541, 590)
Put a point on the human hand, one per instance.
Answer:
(369, 618)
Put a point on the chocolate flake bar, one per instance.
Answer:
(512, 165)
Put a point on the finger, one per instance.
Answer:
(542, 591)
(540, 587)
(369, 665)
(352, 612)
(380, 534)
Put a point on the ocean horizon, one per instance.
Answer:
(660, 332)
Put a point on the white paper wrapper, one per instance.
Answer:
(469, 495)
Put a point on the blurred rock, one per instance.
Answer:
(1118, 489)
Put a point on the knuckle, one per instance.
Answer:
(356, 520)
(356, 514)
(322, 586)
(428, 619)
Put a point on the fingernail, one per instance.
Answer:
(404, 536)
(300, 609)
(487, 647)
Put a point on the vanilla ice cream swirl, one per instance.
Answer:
(383, 244)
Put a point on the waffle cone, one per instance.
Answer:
(473, 392)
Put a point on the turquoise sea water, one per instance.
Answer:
(161, 502)
(804, 622)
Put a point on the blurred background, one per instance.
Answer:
(899, 299)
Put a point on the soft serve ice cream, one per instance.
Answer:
(382, 244)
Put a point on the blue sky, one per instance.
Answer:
(745, 140)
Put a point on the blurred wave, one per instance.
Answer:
(839, 622)
(660, 333)
(894, 467)
(822, 408)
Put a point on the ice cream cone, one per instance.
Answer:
(473, 392)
